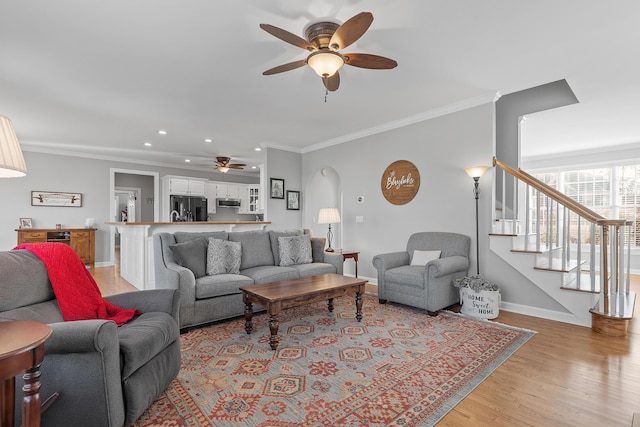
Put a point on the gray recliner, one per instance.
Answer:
(429, 286)
(105, 375)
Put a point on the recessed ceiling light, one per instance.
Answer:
(208, 140)
(162, 132)
(258, 149)
(147, 144)
(254, 167)
(187, 160)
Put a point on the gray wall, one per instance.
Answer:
(440, 148)
(284, 165)
(49, 172)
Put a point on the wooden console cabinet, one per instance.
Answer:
(82, 240)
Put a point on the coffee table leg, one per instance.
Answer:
(248, 315)
(274, 323)
(359, 306)
(330, 305)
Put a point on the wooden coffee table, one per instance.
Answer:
(278, 296)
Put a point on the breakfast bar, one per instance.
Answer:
(136, 244)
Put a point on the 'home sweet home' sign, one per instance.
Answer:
(400, 182)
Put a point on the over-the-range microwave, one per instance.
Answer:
(228, 203)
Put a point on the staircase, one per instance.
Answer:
(573, 254)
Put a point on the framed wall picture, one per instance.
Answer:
(293, 200)
(277, 188)
(51, 198)
(25, 223)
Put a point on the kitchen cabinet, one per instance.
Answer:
(254, 199)
(229, 190)
(81, 240)
(181, 186)
(210, 193)
(243, 192)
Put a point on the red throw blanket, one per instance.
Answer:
(76, 290)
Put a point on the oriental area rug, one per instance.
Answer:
(398, 367)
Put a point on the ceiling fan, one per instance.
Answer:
(223, 165)
(324, 39)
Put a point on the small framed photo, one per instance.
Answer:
(277, 188)
(25, 223)
(293, 200)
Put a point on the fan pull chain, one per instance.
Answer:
(326, 92)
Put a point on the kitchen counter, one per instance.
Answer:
(136, 244)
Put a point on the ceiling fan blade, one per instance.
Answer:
(285, 67)
(288, 37)
(365, 60)
(236, 165)
(351, 31)
(332, 83)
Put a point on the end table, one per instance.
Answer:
(353, 255)
(21, 350)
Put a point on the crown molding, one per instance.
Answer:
(485, 98)
(64, 150)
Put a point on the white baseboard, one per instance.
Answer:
(542, 313)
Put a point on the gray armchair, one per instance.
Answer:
(104, 375)
(429, 286)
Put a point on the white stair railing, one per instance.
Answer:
(564, 228)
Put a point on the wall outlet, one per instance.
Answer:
(360, 199)
(359, 218)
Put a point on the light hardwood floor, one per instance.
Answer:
(565, 375)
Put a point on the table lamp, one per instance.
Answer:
(329, 216)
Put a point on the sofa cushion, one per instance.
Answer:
(192, 254)
(317, 248)
(275, 244)
(423, 257)
(295, 250)
(185, 236)
(143, 338)
(223, 256)
(220, 285)
(267, 274)
(20, 289)
(256, 248)
(306, 270)
(412, 275)
(44, 312)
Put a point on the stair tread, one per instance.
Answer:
(618, 307)
(585, 284)
(556, 265)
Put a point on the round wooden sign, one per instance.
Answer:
(400, 182)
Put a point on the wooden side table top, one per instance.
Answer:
(21, 350)
(19, 336)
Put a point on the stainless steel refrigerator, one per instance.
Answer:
(187, 208)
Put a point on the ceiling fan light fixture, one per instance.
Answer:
(325, 63)
(223, 169)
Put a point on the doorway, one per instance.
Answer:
(126, 183)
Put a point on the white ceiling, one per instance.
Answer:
(102, 77)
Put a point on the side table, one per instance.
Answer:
(353, 255)
(21, 350)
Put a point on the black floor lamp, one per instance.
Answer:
(476, 172)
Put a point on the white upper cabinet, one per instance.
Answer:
(182, 186)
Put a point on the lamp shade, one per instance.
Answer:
(325, 63)
(11, 161)
(476, 171)
(329, 216)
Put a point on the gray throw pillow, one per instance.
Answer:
(192, 254)
(295, 250)
(223, 257)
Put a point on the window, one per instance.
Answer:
(613, 192)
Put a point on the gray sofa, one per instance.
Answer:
(105, 375)
(428, 286)
(180, 261)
